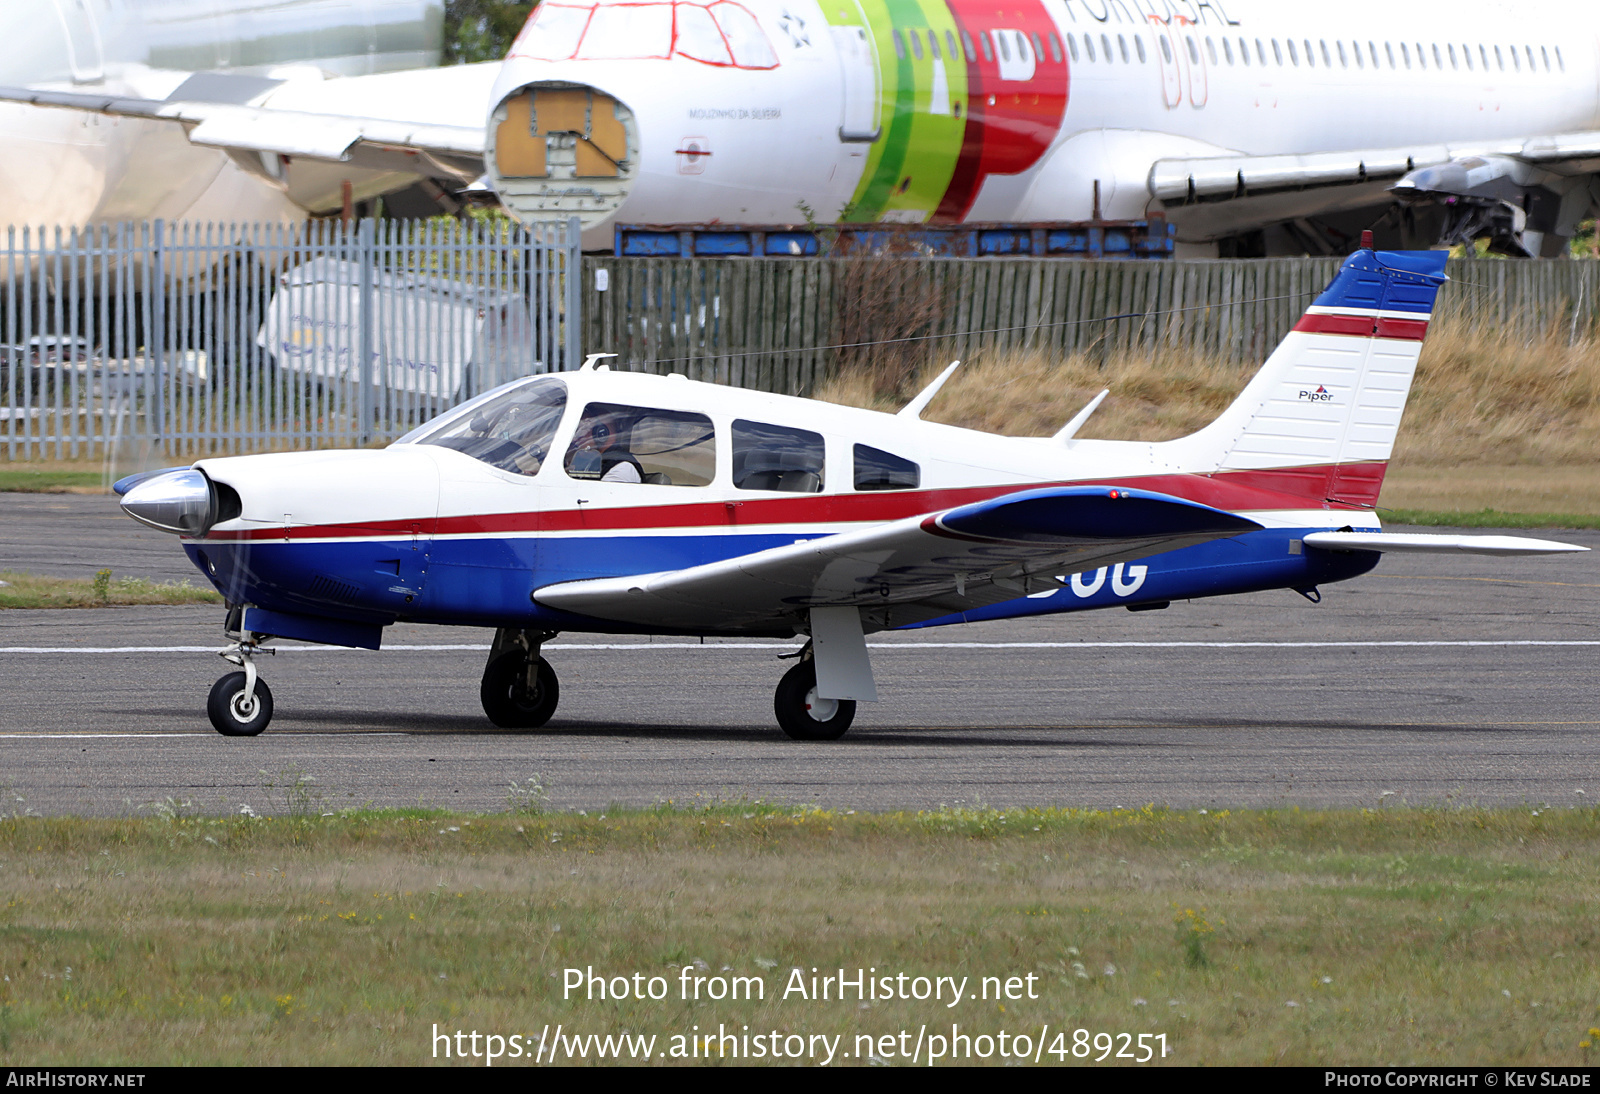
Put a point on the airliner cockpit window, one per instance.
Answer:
(777, 457)
(511, 430)
(639, 444)
(723, 33)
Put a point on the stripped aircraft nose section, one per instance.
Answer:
(562, 149)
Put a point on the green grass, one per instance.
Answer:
(20, 590)
(50, 481)
(1407, 936)
(1487, 518)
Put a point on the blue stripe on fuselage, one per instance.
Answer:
(488, 581)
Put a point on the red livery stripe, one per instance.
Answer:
(1409, 330)
(1364, 326)
(1328, 486)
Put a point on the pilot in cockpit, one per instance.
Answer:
(601, 450)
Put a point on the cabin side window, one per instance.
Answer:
(876, 469)
(637, 444)
(777, 457)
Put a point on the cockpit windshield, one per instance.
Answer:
(511, 431)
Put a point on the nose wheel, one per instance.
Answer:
(236, 708)
(240, 704)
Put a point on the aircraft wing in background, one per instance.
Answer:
(1520, 192)
(424, 122)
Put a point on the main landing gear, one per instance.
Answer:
(803, 714)
(240, 704)
(520, 690)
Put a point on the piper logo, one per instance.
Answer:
(1321, 395)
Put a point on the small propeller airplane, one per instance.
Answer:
(617, 502)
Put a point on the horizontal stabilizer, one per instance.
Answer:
(1477, 545)
(908, 570)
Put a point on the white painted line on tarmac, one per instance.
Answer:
(207, 736)
(1370, 644)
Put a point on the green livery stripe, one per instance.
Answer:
(911, 163)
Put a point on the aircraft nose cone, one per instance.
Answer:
(178, 501)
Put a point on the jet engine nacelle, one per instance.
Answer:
(1522, 209)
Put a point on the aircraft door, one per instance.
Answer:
(858, 68)
(1167, 54)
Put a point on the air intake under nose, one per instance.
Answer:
(181, 502)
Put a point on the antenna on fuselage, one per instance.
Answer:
(1069, 430)
(915, 407)
(588, 362)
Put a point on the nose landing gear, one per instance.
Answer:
(519, 690)
(240, 703)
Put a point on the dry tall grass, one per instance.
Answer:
(1480, 397)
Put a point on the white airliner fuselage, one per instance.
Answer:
(958, 110)
(1256, 127)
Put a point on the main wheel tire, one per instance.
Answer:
(228, 713)
(803, 715)
(507, 699)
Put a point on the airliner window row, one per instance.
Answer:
(1008, 42)
(1362, 55)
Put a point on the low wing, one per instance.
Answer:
(908, 570)
(424, 121)
(1477, 545)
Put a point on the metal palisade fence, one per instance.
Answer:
(173, 341)
(781, 324)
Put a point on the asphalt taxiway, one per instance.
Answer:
(1436, 678)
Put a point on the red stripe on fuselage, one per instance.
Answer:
(1328, 486)
(1364, 326)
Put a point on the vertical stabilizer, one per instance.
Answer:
(1326, 406)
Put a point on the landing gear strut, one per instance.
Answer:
(520, 690)
(803, 714)
(240, 704)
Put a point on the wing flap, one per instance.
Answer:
(908, 570)
(1436, 544)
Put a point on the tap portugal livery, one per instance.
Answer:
(1256, 126)
(628, 503)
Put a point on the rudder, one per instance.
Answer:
(1328, 402)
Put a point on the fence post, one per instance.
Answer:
(572, 328)
(156, 336)
(365, 247)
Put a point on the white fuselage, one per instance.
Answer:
(784, 141)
